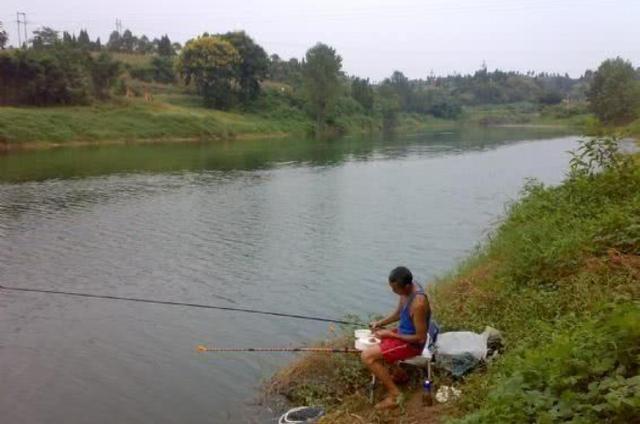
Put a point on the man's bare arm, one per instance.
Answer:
(419, 308)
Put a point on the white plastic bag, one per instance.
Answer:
(462, 342)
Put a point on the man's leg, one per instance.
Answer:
(372, 358)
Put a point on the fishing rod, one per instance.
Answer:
(185, 304)
(203, 348)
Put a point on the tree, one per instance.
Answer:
(4, 38)
(104, 72)
(399, 83)
(210, 62)
(165, 48)
(84, 41)
(550, 97)
(252, 67)
(44, 37)
(163, 69)
(289, 72)
(614, 95)
(44, 76)
(362, 92)
(144, 45)
(388, 105)
(115, 42)
(67, 40)
(321, 72)
(128, 41)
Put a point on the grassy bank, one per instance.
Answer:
(571, 114)
(174, 116)
(560, 277)
(134, 120)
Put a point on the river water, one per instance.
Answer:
(289, 225)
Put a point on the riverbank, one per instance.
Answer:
(131, 121)
(560, 277)
(180, 118)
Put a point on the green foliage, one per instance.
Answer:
(225, 67)
(4, 37)
(252, 67)
(587, 373)
(614, 95)
(210, 62)
(164, 46)
(104, 72)
(289, 71)
(559, 277)
(141, 72)
(44, 37)
(565, 111)
(550, 97)
(115, 42)
(388, 105)
(143, 45)
(552, 230)
(281, 105)
(436, 102)
(84, 41)
(55, 74)
(599, 154)
(514, 113)
(52, 75)
(443, 97)
(163, 69)
(362, 92)
(127, 42)
(321, 72)
(399, 84)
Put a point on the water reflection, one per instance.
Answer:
(82, 162)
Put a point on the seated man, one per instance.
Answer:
(407, 340)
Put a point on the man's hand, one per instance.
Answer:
(385, 334)
(373, 325)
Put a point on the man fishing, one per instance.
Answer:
(404, 342)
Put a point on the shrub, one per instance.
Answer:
(57, 75)
(588, 373)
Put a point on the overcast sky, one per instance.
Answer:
(375, 37)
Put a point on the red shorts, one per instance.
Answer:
(394, 350)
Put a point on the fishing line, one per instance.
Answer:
(185, 304)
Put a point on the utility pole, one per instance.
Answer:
(26, 38)
(24, 25)
(119, 26)
(18, 22)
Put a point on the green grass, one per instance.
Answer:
(133, 59)
(561, 278)
(586, 373)
(633, 129)
(526, 114)
(176, 114)
(179, 117)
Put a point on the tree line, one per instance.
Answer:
(229, 70)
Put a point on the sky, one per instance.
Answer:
(376, 37)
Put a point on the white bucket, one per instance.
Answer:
(362, 333)
(366, 342)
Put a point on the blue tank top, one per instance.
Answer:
(406, 323)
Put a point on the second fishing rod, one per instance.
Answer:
(182, 304)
